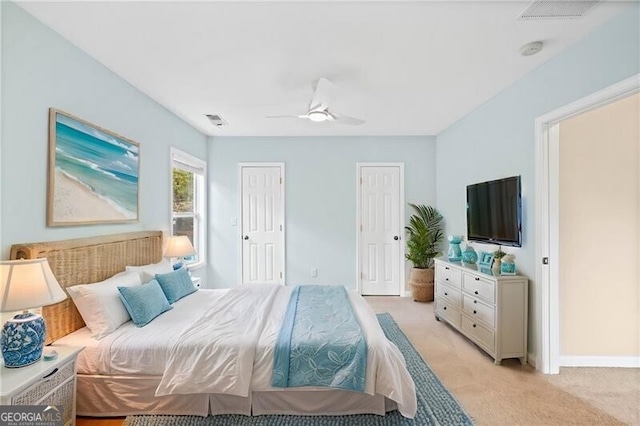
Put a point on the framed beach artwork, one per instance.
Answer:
(93, 174)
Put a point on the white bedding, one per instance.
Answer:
(87, 360)
(180, 345)
(132, 350)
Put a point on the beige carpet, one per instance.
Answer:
(511, 394)
(614, 390)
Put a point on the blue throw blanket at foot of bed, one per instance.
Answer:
(320, 342)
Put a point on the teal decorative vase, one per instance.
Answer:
(455, 253)
(508, 266)
(469, 256)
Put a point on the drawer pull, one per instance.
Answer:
(445, 308)
(446, 267)
(474, 326)
(446, 294)
(476, 292)
(446, 279)
(475, 312)
(475, 301)
(477, 279)
(55, 370)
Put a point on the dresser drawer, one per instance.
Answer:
(448, 312)
(480, 287)
(476, 309)
(452, 295)
(448, 274)
(480, 333)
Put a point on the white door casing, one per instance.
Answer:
(262, 223)
(380, 250)
(547, 169)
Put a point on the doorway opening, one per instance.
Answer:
(547, 134)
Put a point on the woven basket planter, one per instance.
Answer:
(421, 282)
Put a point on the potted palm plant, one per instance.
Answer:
(424, 236)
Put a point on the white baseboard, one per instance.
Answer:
(531, 359)
(599, 361)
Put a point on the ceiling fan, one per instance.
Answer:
(319, 107)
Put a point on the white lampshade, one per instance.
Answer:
(26, 284)
(179, 246)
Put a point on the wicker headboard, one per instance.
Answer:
(87, 260)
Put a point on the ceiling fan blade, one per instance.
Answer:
(321, 96)
(345, 119)
(287, 116)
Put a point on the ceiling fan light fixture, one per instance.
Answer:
(318, 116)
(319, 109)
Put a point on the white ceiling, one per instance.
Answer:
(407, 68)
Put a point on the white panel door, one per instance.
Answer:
(380, 233)
(262, 225)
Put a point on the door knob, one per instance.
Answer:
(246, 237)
(396, 238)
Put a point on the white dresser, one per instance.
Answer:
(43, 383)
(491, 310)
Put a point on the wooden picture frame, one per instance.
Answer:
(93, 174)
(485, 261)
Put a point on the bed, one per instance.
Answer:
(124, 372)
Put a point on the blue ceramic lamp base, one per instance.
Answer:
(22, 339)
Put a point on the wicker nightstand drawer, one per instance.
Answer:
(65, 396)
(43, 383)
(41, 388)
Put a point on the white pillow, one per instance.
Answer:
(148, 272)
(100, 304)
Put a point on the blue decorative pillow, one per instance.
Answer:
(176, 284)
(144, 302)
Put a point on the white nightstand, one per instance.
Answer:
(43, 383)
(197, 281)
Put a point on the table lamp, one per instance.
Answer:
(25, 284)
(179, 246)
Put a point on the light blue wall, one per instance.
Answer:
(497, 139)
(320, 198)
(40, 69)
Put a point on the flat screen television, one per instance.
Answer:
(494, 212)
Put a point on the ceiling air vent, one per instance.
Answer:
(216, 120)
(558, 9)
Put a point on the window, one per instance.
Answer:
(188, 204)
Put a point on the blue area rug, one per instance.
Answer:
(436, 406)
